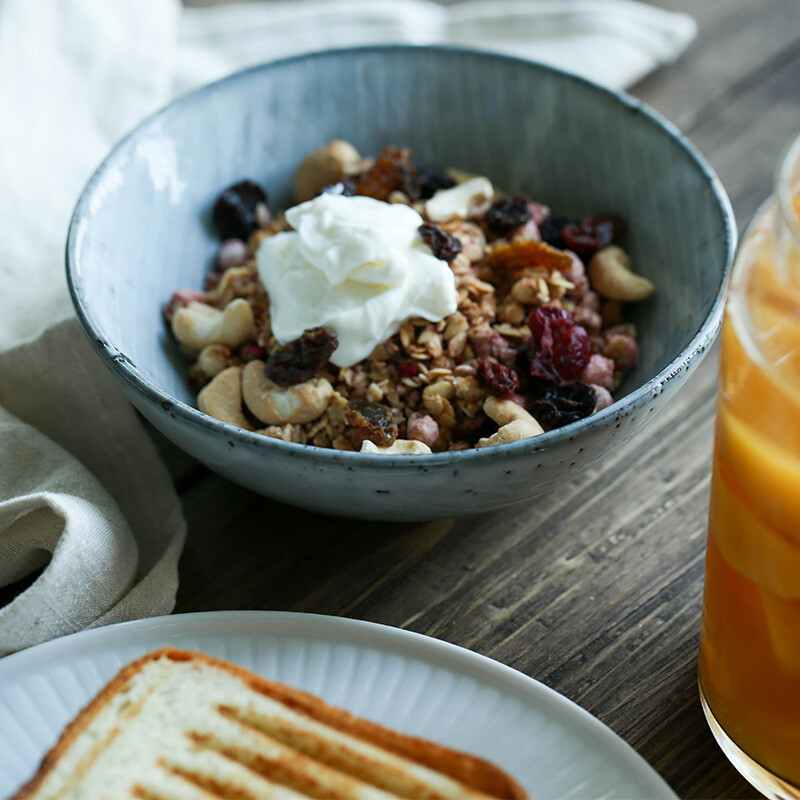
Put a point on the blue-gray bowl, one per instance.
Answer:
(140, 231)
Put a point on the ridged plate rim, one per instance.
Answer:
(571, 753)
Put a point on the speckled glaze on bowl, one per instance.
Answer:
(141, 230)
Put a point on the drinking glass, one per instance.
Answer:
(749, 668)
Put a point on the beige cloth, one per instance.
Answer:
(82, 491)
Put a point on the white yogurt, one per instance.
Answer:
(357, 266)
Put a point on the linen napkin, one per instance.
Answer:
(613, 42)
(83, 494)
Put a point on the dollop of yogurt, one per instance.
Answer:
(357, 266)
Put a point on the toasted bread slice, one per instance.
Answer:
(178, 725)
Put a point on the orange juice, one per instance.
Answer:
(750, 640)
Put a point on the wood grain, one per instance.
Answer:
(595, 591)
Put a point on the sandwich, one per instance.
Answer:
(180, 725)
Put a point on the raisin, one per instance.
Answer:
(234, 212)
(500, 380)
(558, 349)
(392, 171)
(301, 359)
(550, 230)
(593, 234)
(430, 181)
(443, 244)
(372, 421)
(561, 405)
(506, 214)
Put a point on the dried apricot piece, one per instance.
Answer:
(521, 254)
(372, 421)
(393, 171)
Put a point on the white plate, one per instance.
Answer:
(405, 680)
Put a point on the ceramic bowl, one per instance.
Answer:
(141, 230)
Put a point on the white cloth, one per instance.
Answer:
(82, 491)
(613, 42)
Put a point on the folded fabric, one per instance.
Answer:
(83, 495)
(83, 492)
(613, 42)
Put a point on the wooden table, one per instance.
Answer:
(596, 591)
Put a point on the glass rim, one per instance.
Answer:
(784, 189)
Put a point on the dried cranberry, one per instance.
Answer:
(558, 349)
(407, 370)
(235, 210)
(431, 181)
(550, 230)
(500, 380)
(443, 244)
(506, 214)
(301, 359)
(372, 421)
(561, 405)
(593, 234)
(392, 171)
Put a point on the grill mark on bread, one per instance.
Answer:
(225, 790)
(374, 767)
(293, 770)
(194, 776)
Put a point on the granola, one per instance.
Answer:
(529, 334)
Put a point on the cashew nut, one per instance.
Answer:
(399, 447)
(213, 359)
(514, 421)
(222, 398)
(197, 324)
(276, 405)
(324, 166)
(611, 276)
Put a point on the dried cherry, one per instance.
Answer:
(506, 214)
(443, 244)
(302, 358)
(500, 380)
(560, 405)
(234, 212)
(431, 181)
(593, 234)
(558, 349)
(372, 421)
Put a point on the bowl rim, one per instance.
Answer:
(126, 371)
